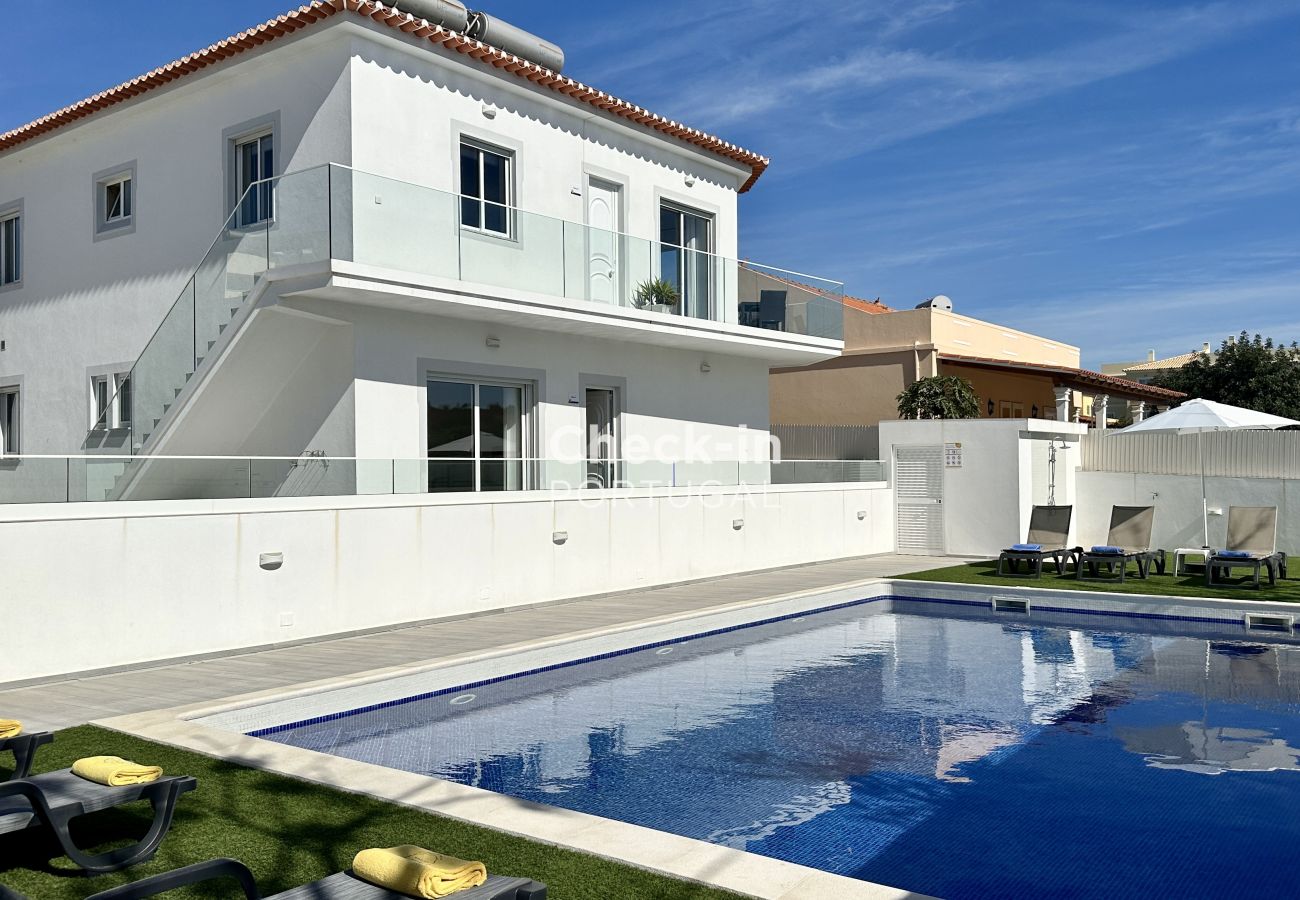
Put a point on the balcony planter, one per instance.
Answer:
(656, 296)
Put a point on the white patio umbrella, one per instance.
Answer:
(1197, 417)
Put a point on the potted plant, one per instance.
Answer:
(657, 295)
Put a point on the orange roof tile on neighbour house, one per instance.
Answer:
(1070, 374)
(317, 10)
(1172, 362)
(873, 307)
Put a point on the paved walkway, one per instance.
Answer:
(61, 704)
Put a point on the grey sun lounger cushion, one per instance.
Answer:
(55, 798)
(1129, 538)
(340, 886)
(23, 747)
(1049, 527)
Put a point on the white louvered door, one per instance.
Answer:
(918, 499)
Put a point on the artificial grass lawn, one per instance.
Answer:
(985, 573)
(288, 832)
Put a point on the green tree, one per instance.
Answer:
(939, 397)
(1250, 372)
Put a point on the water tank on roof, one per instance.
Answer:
(447, 13)
(938, 301)
(513, 39)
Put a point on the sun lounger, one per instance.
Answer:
(55, 798)
(340, 886)
(1252, 544)
(1049, 529)
(23, 747)
(1129, 540)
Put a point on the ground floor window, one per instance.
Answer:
(9, 424)
(110, 401)
(602, 409)
(477, 435)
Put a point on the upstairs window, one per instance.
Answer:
(685, 256)
(254, 163)
(115, 201)
(11, 248)
(486, 188)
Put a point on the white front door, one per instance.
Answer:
(918, 499)
(604, 221)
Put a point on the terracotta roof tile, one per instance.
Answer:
(1172, 362)
(1083, 376)
(318, 10)
(874, 307)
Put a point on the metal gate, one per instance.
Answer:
(918, 499)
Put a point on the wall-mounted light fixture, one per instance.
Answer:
(1033, 411)
(737, 524)
(990, 407)
(862, 514)
(690, 182)
(559, 537)
(706, 368)
(270, 561)
(493, 342)
(489, 112)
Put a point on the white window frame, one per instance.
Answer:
(13, 215)
(484, 147)
(527, 392)
(125, 197)
(110, 383)
(266, 194)
(106, 224)
(709, 253)
(11, 432)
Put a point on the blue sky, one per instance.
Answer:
(1118, 175)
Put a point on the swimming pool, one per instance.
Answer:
(937, 748)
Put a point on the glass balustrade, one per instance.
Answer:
(333, 212)
(88, 479)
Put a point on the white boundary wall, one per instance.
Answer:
(1004, 472)
(1177, 499)
(94, 586)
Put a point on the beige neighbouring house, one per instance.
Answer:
(1147, 370)
(1016, 374)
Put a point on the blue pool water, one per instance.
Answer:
(958, 754)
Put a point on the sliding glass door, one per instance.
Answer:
(685, 257)
(476, 435)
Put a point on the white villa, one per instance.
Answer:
(412, 244)
(355, 264)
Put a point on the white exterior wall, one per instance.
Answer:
(86, 303)
(187, 580)
(1177, 499)
(987, 502)
(349, 92)
(670, 408)
(411, 103)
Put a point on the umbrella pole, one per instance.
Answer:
(1205, 505)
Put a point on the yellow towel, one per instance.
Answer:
(10, 728)
(418, 872)
(115, 771)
